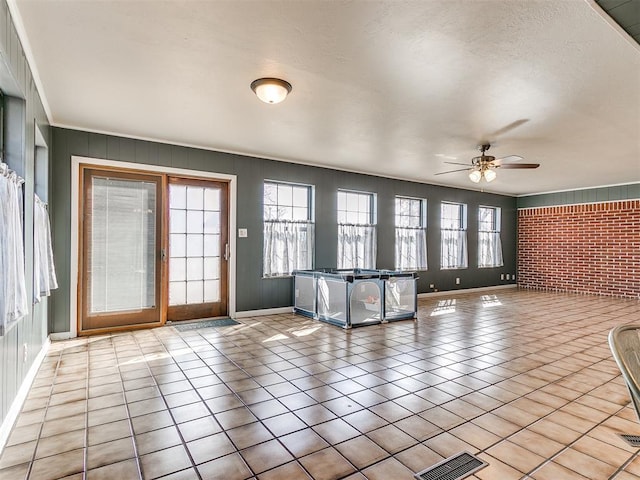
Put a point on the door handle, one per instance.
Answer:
(226, 252)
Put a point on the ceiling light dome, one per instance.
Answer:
(271, 90)
(489, 175)
(475, 176)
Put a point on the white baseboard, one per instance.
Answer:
(266, 311)
(448, 293)
(281, 310)
(61, 336)
(16, 405)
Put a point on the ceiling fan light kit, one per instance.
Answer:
(475, 176)
(484, 166)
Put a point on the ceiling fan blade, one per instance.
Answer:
(456, 163)
(510, 158)
(508, 128)
(452, 171)
(517, 165)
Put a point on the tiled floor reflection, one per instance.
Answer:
(524, 379)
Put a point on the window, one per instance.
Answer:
(356, 230)
(411, 234)
(288, 228)
(453, 235)
(489, 244)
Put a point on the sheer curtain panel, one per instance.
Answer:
(489, 249)
(288, 246)
(13, 292)
(411, 248)
(44, 274)
(356, 246)
(454, 249)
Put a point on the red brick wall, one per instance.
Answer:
(590, 248)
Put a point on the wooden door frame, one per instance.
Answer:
(185, 310)
(161, 181)
(76, 199)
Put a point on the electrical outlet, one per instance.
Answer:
(513, 276)
(502, 276)
(25, 352)
(457, 280)
(507, 276)
(242, 233)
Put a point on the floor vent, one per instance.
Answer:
(456, 467)
(633, 440)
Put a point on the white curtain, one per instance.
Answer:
(288, 246)
(489, 249)
(13, 292)
(411, 248)
(453, 245)
(356, 246)
(44, 274)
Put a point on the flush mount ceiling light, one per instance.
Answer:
(271, 90)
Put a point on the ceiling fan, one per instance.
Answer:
(484, 166)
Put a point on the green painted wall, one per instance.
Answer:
(254, 292)
(589, 195)
(23, 112)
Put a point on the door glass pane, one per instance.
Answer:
(178, 267)
(194, 245)
(194, 221)
(194, 292)
(212, 290)
(178, 244)
(121, 252)
(212, 199)
(194, 268)
(194, 257)
(212, 245)
(178, 293)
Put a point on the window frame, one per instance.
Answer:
(497, 214)
(496, 229)
(373, 217)
(422, 215)
(310, 217)
(372, 201)
(310, 200)
(422, 226)
(462, 227)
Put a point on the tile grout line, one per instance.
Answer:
(46, 409)
(126, 406)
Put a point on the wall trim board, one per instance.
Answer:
(75, 204)
(579, 196)
(284, 310)
(583, 206)
(524, 195)
(18, 401)
(263, 312)
(447, 293)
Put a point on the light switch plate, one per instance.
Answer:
(242, 233)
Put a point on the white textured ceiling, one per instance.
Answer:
(392, 88)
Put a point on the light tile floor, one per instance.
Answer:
(524, 379)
